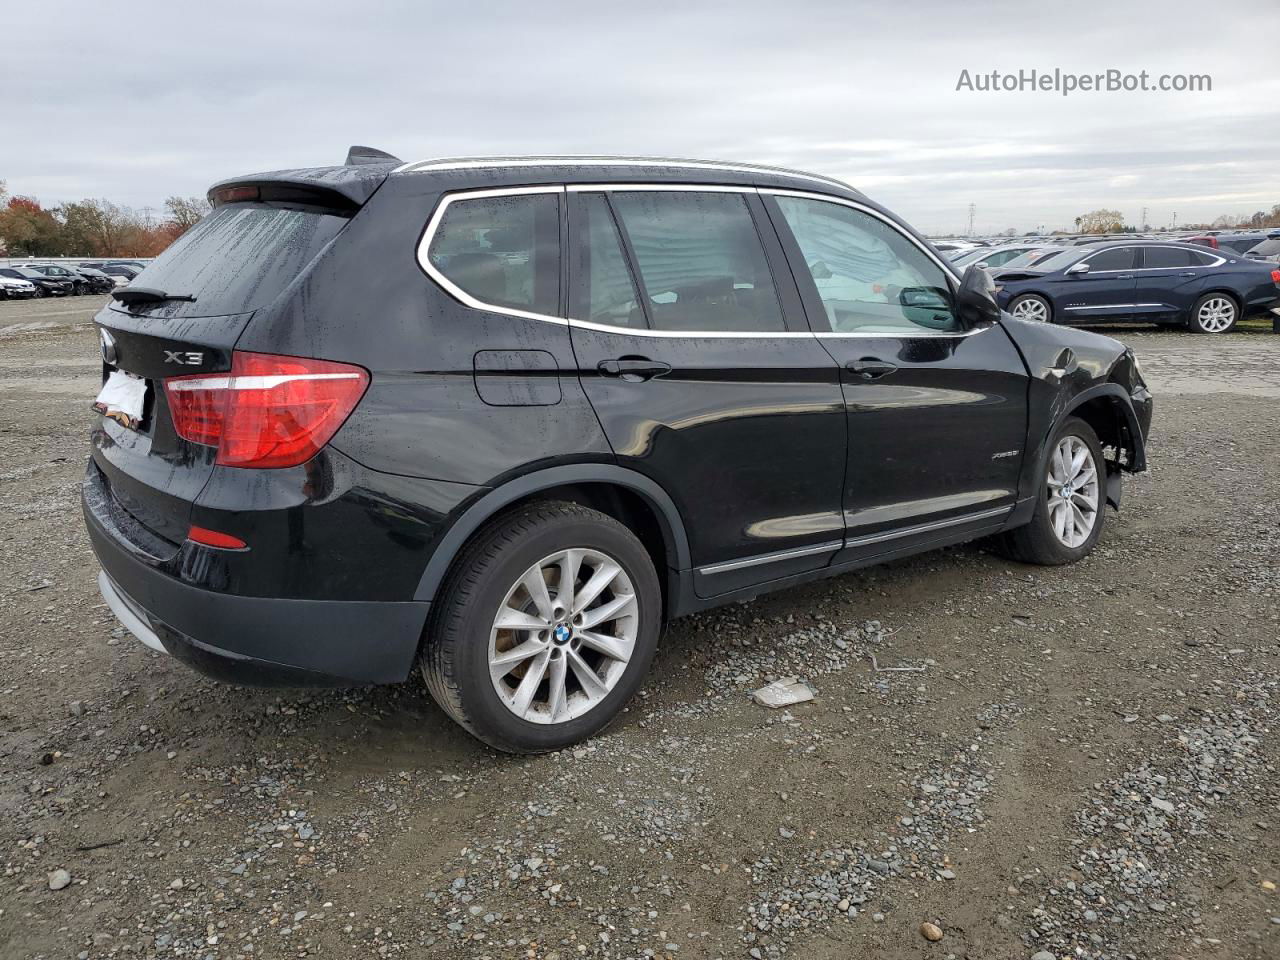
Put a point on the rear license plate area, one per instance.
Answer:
(123, 398)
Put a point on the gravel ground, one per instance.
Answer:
(1085, 767)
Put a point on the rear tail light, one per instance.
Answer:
(267, 411)
(1275, 277)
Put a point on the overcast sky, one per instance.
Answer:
(137, 101)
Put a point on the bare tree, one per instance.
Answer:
(186, 212)
(1101, 221)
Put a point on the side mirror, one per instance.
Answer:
(976, 298)
(1077, 269)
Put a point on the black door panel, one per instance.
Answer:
(937, 415)
(744, 427)
(938, 438)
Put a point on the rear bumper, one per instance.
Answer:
(255, 641)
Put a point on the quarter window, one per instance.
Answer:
(1118, 258)
(870, 277)
(503, 251)
(700, 262)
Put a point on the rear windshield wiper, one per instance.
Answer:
(129, 295)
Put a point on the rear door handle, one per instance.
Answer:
(1189, 274)
(871, 368)
(635, 369)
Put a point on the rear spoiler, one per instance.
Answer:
(343, 188)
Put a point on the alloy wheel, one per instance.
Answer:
(1216, 315)
(1073, 491)
(563, 636)
(1031, 309)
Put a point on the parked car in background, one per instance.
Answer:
(99, 282)
(126, 274)
(13, 288)
(79, 282)
(45, 286)
(1242, 243)
(992, 257)
(1032, 257)
(1266, 250)
(1141, 282)
(756, 378)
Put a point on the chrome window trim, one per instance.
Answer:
(1193, 247)
(428, 235)
(728, 565)
(667, 163)
(433, 224)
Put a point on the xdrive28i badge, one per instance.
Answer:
(110, 355)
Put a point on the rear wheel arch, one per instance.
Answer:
(1224, 292)
(633, 499)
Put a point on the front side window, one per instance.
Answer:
(700, 262)
(1118, 258)
(503, 251)
(870, 277)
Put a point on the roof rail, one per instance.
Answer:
(467, 163)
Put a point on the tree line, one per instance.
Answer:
(91, 228)
(1112, 221)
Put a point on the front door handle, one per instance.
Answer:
(871, 368)
(634, 369)
(1188, 274)
(1125, 276)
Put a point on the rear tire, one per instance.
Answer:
(1031, 307)
(1213, 313)
(504, 596)
(1069, 517)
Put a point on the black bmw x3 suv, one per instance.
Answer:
(501, 418)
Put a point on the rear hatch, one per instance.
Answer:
(258, 241)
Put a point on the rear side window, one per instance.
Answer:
(610, 294)
(502, 251)
(700, 261)
(1119, 258)
(240, 257)
(1158, 257)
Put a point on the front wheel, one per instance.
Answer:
(1213, 313)
(1070, 506)
(1032, 307)
(545, 628)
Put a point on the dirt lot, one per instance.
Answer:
(1086, 767)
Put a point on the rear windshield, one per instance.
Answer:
(240, 257)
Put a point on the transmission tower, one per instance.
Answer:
(973, 209)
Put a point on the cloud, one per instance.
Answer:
(155, 99)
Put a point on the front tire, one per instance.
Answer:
(1071, 503)
(1031, 307)
(544, 629)
(1213, 313)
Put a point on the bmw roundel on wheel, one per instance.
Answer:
(495, 421)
